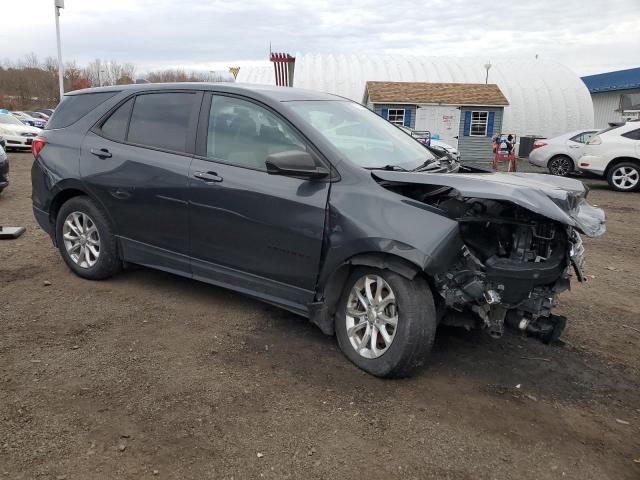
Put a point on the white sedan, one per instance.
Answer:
(560, 154)
(16, 133)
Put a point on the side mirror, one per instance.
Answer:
(294, 163)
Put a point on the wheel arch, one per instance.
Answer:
(65, 194)
(619, 160)
(330, 291)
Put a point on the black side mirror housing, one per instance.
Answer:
(295, 163)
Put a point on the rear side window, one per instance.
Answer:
(161, 120)
(633, 134)
(115, 128)
(74, 107)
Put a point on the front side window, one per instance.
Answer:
(479, 122)
(161, 120)
(396, 116)
(245, 134)
(361, 136)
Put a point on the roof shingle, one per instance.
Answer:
(439, 93)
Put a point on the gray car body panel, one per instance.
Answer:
(557, 198)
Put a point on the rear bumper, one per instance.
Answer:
(592, 163)
(538, 158)
(43, 220)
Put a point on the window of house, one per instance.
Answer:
(479, 122)
(396, 116)
(161, 120)
(245, 134)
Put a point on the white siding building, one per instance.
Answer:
(545, 97)
(615, 96)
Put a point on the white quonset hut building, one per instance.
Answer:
(545, 98)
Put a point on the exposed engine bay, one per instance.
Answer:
(512, 264)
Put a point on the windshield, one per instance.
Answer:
(363, 137)
(10, 119)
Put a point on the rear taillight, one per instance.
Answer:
(37, 145)
(538, 145)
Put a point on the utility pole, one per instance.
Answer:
(57, 6)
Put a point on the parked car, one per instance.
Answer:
(445, 147)
(437, 147)
(16, 133)
(560, 154)
(46, 111)
(614, 153)
(4, 170)
(253, 188)
(39, 115)
(29, 120)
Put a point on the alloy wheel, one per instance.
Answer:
(625, 178)
(81, 239)
(371, 316)
(560, 166)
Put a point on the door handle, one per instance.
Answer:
(208, 177)
(101, 153)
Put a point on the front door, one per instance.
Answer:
(136, 163)
(253, 231)
(443, 121)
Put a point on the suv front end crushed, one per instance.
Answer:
(519, 246)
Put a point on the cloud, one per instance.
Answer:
(586, 35)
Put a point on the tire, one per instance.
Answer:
(561, 166)
(411, 339)
(624, 177)
(83, 215)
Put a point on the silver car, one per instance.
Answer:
(560, 154)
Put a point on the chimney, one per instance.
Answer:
(283, 64)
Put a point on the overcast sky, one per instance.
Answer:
(589, 36)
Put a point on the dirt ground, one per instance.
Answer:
(149, 375)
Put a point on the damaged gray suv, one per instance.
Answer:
(312, 203)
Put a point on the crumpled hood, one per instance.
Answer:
(558, 198)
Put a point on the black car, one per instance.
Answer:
(310, 202)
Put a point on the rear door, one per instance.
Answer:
(576, 143)
(250, 230)
(136, 163)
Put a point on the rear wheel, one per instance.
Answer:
(560, 165)
(85, 240)
(624, 177)
(385, 323)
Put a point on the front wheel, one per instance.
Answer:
(386, 323)
(560, 166)
(624, 177)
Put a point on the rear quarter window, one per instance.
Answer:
(74, 107)
(633, 134)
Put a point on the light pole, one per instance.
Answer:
(57, 5)
(487, 66)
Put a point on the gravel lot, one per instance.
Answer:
(149, 375)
